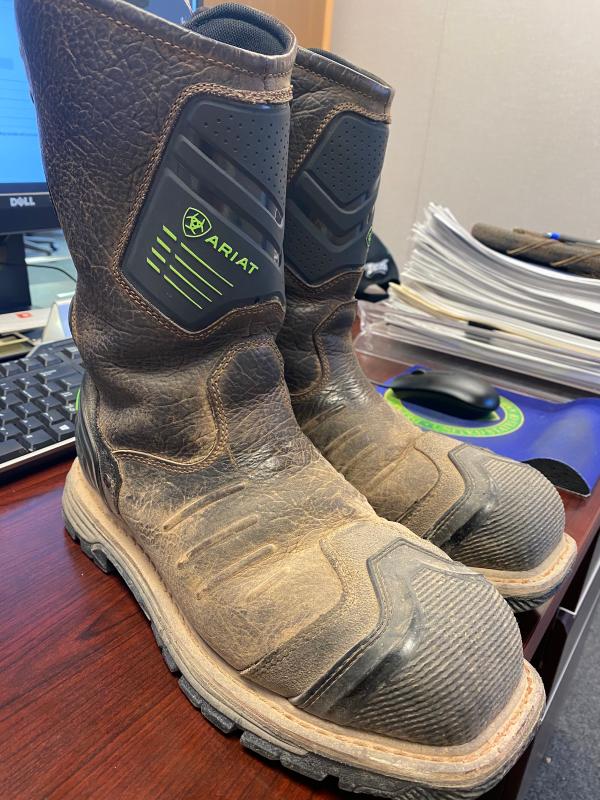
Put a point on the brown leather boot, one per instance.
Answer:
(498, 516)
(339, 643)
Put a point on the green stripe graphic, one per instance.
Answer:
(153, 265)
(187, 297)
(189, 283)
(166, 246)
(204, 264)
(193, 271)
(159, 255)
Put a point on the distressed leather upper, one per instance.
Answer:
(485, 511)
(280, 565)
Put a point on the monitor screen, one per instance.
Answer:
(21, 168)
(24, 201)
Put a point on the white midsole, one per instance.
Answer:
(538, 581)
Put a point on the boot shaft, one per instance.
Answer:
(338, 137)
(339, 130)
(165, 153)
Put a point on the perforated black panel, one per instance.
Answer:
(309, 257)
(330, 200)
(257, 143)
(209, 236)
(351, 157)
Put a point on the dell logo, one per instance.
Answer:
(22, 202)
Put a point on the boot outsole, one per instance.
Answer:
(467, 774)
(526, 590)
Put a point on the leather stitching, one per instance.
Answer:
(222, 441)
(328, 79)
(323, 124)
(322, 351)
(447, 520)
(380, 587)
(329, 284)
(140, 32)
(448, 517)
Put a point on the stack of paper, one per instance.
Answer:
(459, 296)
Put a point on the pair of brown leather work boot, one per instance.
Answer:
(334, 639)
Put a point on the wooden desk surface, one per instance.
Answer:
(88, 709)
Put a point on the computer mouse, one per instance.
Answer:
(458, 394)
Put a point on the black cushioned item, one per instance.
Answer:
(209, 236)
(238, 26)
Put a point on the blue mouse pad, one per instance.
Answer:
(562, 440)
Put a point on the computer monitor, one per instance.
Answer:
(25, 204)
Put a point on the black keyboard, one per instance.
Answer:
(38, 399)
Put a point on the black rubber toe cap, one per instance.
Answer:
(444, 662)
(520, 523)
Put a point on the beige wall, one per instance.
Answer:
(497, 109)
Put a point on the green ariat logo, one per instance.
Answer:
(369, 236)
(191, 271)
(196, 223)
